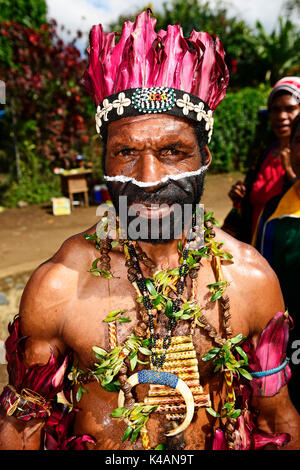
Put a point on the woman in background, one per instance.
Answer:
(268, 178)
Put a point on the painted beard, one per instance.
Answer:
(161, 215)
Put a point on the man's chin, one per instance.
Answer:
(155, 230)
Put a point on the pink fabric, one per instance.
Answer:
(269, 353)
(47, 380)
(268, 184)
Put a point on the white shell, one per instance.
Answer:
(185, 392)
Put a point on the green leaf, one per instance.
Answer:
(216, 296)
(123, 320)
(145, 351)
(135, 433)
(245, 373)
(242, 353)
(212, 412)
(216, 284)
(94, 263)
(88, 236)
(180, 246)
(79, 394)
(114, 313)
(114, 243)
(208, 216)
(99, 351)
(127, 433)
(150, 287)
(211, 354)
(237, 339)
(118, 412)
(109, 320)
(133, 361)
(169, 309)
(185, 317)
(112, 387)
(227, 256)
(160, 447)
(228, 406)
(235, 413)
(142, 362)
(80, 391)
(157, 300)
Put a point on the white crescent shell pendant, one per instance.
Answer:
(182, 388)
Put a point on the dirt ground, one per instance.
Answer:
(31, 235)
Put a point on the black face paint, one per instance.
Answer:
(183, 193)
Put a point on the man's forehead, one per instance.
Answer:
(166, 124)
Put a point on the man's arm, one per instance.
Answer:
(276, 413)
(39, 322)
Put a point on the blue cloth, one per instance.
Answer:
(154, 377)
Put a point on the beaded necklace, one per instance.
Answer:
(183, 270)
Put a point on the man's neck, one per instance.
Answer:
(163, 255)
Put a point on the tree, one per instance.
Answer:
(30, 13)
(278, 53)
(292, 6)
(46, 104)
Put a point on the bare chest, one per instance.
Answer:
(85, 327)
(85, 315)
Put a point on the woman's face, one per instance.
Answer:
(283, 110)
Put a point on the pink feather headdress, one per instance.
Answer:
(144, 59)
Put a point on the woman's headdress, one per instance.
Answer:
(288, 84)
(149, 72)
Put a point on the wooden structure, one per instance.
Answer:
(75, 182)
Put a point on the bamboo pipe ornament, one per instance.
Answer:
(171, 380)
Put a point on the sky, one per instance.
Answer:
(83, 14)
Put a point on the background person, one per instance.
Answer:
(268, 177)
(277, 240)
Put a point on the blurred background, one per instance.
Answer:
(49, 148)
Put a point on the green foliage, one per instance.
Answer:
(136, 417)
(237, 139)
(224, 357)
(115, 316)
(36, 188)
(278, 53)
(31, 13)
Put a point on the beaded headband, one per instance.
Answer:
(153, 100)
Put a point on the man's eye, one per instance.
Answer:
(125, 152)
(169, 151)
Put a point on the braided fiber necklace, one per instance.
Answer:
(183, 270)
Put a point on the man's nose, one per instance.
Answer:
(149, 168)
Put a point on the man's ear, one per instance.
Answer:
(208, 157)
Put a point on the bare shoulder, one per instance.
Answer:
(52, 287)
(256, 280)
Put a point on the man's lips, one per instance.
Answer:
(150, 211)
